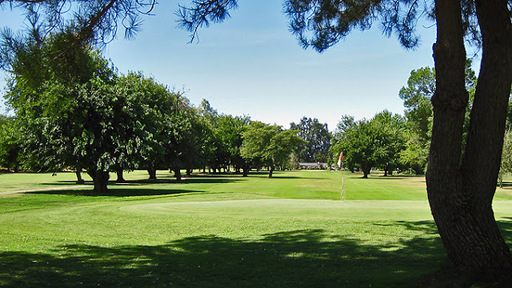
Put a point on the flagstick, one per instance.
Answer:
(342, 183)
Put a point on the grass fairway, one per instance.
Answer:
(221, 231)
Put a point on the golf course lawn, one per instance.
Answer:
(222, 231)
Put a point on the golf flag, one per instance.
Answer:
(340, 160)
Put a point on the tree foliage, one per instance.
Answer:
(269, 143)
(10, 144)
(91, 22)
(316, 140)
(368, 144)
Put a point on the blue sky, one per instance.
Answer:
(252, 65)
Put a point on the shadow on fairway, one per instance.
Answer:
(116, 192)
(382, 177)
(185, 180)
(505, 185)
(305, 258)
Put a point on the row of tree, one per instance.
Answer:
(80, 113)
(83, 115)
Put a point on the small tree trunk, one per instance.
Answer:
(79, 179)
(120, 177)
(189, 172)
(366, 170)
(177, 174)
(270, 171)
(152, 174)
(245, 171)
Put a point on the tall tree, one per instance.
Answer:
(317, 140)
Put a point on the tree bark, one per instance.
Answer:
(245, 169)
(270, 172)
(79, 179)
(120, 177)
(100, 180)
(366, 170)
(460, 192)
(152, 174)
(177, 174)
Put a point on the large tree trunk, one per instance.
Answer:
(271, 171)
(460, 192)
(100, 180)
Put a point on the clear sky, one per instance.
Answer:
(252, 65)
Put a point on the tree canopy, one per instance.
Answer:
(316, 140)
(270, 143)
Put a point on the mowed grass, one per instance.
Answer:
(221, 231)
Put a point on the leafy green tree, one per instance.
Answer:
(74, 115)
(43, 94)
(185, 137)
(392, 130)
(229, 130)
(150, 107)
(359, 146)
(10, 144)
(420, 88)
(317, 140)
(270, 143)
(222, 145)
(368, 144)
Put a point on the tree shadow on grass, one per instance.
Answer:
(506, 185)
(117, 192)
(303, 258)
(382, 177)
(185, 180)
